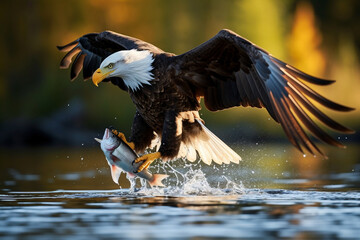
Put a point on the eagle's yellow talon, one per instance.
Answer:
(148, 159)
(122, 136)
(131, 145)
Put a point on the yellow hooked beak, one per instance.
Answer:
(99, 75)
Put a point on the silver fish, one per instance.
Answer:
(120, 157)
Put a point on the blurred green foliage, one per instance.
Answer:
(33, 86)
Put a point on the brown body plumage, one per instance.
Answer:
(226, 71)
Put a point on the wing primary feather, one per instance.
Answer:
(77, 66)
(304, 136)
(295, 92)
(275, 95)
(316, 96)
(283, 122)
(300, 133)
(316, 112)
(68, 46)
(313, 128)
(65, 62)
(295, 129)
(297, 108)
(302, 75)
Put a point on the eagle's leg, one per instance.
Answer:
(148, 159)
(170, 141)
(122, 136)
(141, 133)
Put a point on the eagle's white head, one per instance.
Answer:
(133, 66)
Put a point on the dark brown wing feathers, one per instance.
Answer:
(238, 73)
(227, 71)
(66, 61)
(91, 49)
(77, 66)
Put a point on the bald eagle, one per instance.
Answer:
(226, 71)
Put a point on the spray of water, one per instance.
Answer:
(187, 179)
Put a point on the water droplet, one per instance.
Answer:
(346, 138)
(82, 144)
(304, 155)
(81, 158)
(339, 138)
(269, 119)
(257, 143)
(115, 118)
(68, 105)
(252, 172)
(67, 156)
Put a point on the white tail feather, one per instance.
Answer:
(210, 148)
(203, 151)
(182, 151)
(207, 145)
(191, 154)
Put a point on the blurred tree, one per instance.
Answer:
(32, 86)
(262, 22)
(305, 40)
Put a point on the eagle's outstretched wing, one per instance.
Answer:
(230, 71)
(91, 49)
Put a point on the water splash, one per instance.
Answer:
(188, 180)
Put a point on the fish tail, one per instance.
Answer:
(157, 180)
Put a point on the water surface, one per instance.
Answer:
(273, 193)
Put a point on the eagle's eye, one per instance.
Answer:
(110, 66)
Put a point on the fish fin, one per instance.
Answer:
(115, 173)
(157, 180)
(211, 148)
(98, 140)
